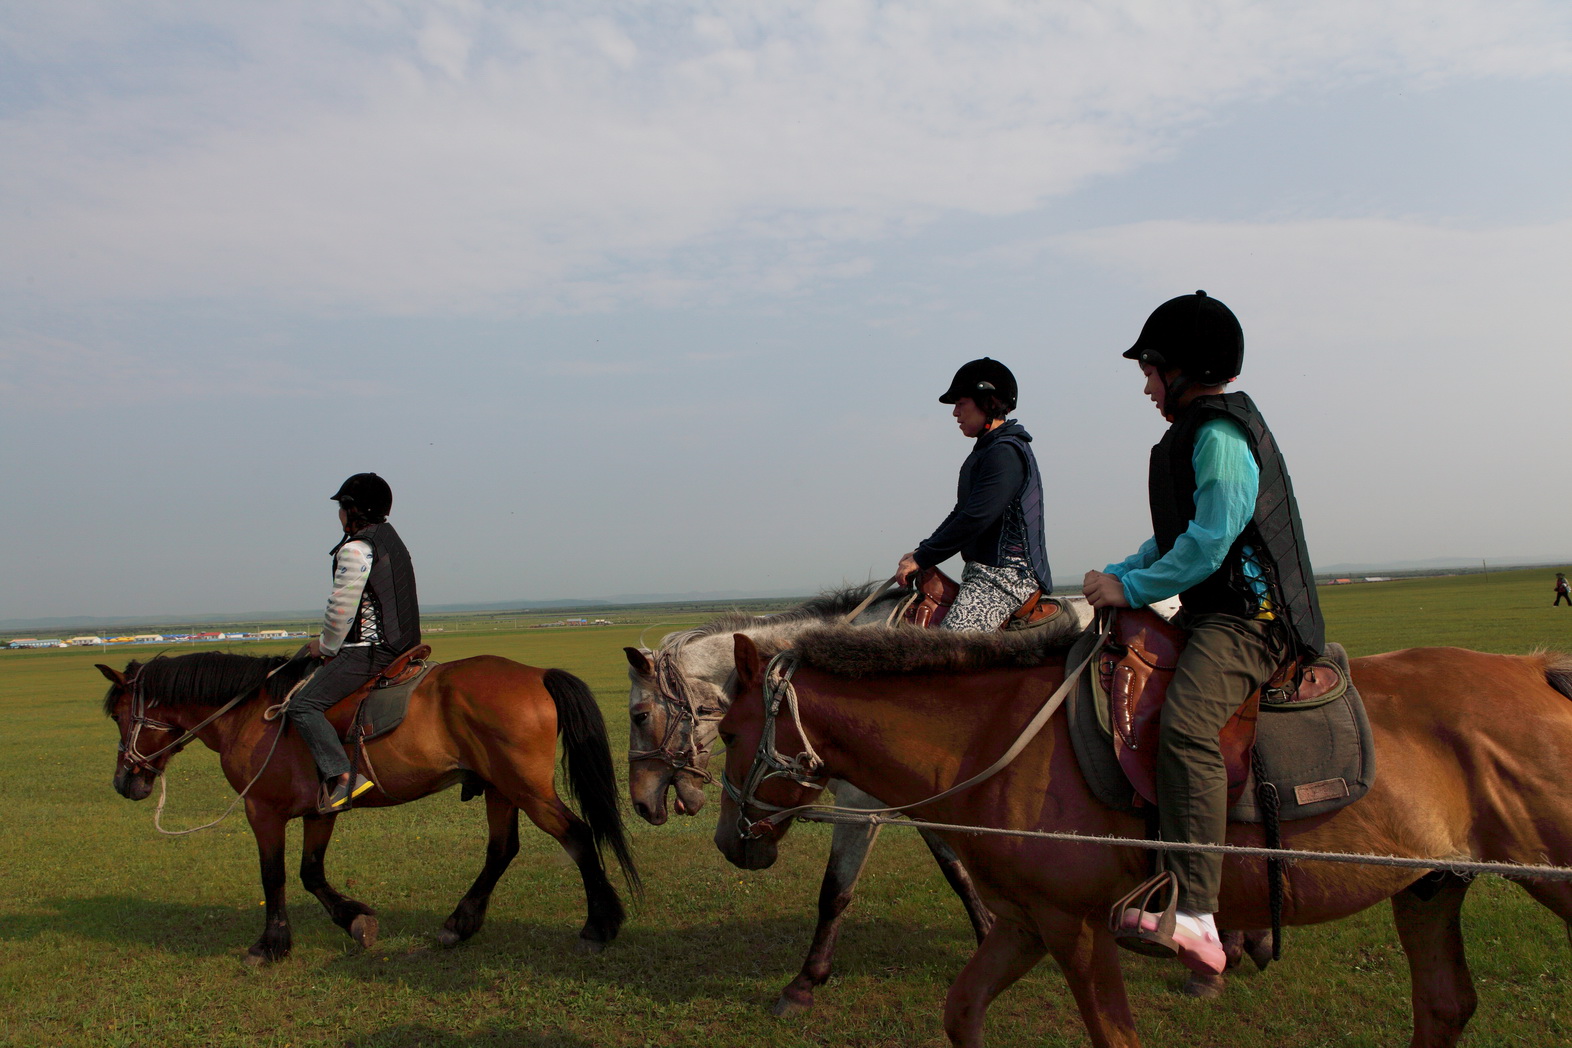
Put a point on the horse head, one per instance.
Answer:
(139, 734)
(668, 747)
(745, 833)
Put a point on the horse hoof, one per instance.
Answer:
(785, 1007)
(1259, 949)
(363, 930)
(447, 938)
(591, 946)
(255, 957)
(1204, 987)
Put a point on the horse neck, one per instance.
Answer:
(219, 735)
(908, 739)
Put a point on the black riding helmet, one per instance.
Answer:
(1196, 334)
(980, 379)
(368, 494)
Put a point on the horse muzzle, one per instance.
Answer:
(134, 783)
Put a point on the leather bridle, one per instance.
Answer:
(679, 743)
(134, 758)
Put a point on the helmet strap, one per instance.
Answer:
(1173, 389)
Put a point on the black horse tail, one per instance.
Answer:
(586, 758)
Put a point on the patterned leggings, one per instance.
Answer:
(988, 596)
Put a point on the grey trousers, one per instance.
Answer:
(1226, 659)
(339, 676)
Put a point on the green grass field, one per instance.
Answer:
(114, 935)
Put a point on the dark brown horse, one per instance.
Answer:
(486, 722)
(1472, 756)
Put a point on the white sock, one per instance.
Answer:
(1198, 924)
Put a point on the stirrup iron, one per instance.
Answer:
(1143, 921)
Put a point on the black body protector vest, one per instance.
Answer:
(1029, 505)
(391, 589)
(1274, 531)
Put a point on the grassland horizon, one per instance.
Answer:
(115, 936)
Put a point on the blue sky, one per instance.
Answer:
(661, 299)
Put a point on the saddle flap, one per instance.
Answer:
(935, 592)
(404, 667)
(1134, 670)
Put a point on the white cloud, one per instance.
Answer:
(467, 157)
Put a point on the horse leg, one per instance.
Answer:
(1442, 990)
(1007, 952)
(1087, 955)
(502, 819)
(573, 833)
(355, 917)
(1554, 896)
(267, 825)
(961, 882)
(850, 845)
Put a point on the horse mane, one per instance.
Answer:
(827, 605)
(207, 678)
(867, 651)
(1558, 670)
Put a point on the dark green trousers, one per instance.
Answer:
(1225, 660)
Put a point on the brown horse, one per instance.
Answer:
(1472, 757)
(486, 722)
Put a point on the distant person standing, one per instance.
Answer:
(997, 523)
(1563, 591)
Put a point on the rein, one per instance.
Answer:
(807, 768)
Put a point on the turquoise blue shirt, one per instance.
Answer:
(1227, 481)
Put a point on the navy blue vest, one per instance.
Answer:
(1029, 504)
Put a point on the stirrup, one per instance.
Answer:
(1143, 921)
(337, 800)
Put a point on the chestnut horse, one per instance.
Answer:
(486, 722)
(1472, 756)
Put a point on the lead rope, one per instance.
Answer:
(274, 712)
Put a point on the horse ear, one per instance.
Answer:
(750, 668)
(110, 674)
(639, 659)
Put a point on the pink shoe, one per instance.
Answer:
(1199, 950)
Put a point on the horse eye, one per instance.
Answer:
(641, 719)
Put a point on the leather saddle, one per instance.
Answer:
(934, 592)
(1134, 668)
(378, 706)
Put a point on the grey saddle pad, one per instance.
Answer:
(1320, 758)
(383, 710)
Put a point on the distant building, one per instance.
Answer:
(34, 642)
(148, 638)
(273, 634)
(83, 642)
